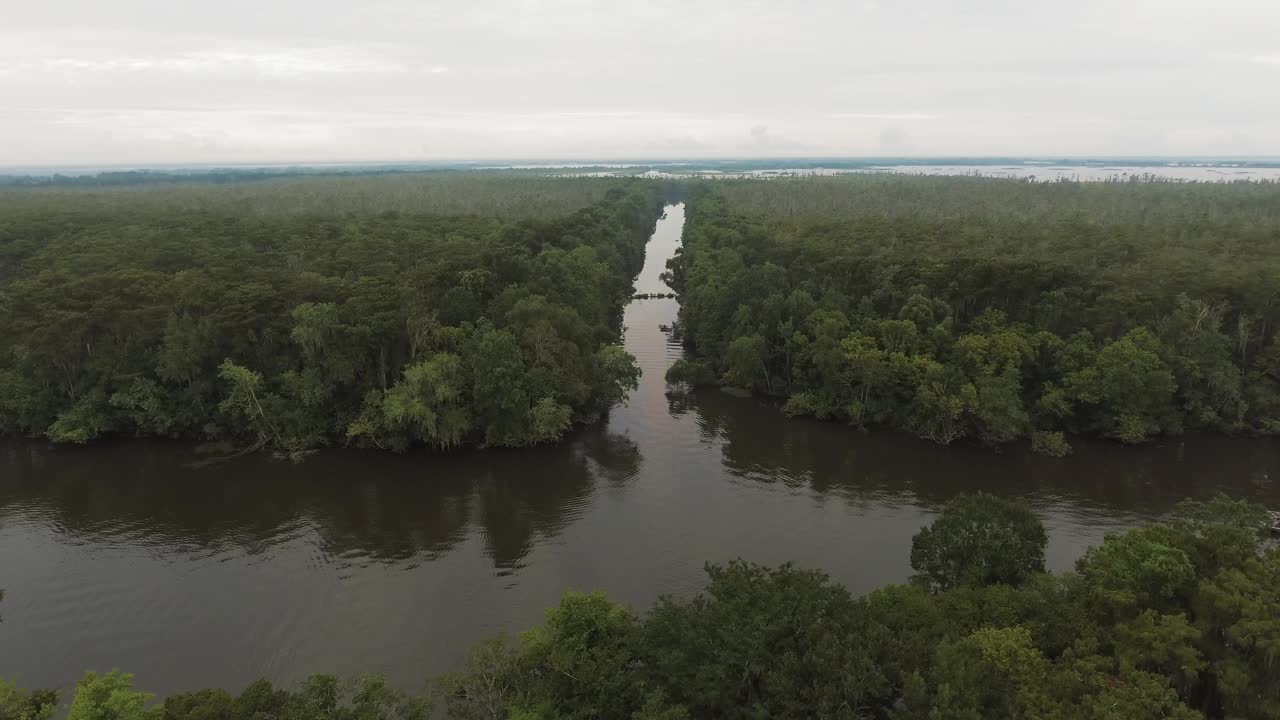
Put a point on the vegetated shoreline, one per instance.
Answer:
(992, 375)
(386, 325)
(988, 309)
(1176, 619)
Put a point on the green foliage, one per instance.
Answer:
(691, 373)
(1178, 619)
(1131, 387)
(19, 704)
(448, 310)
(979, 540)
(619, 376)
(993, 310)
(486, 686)
(1140, 569)
(749, 647)
(428, 403)
(85, 420)
(319, 697)
(1240, 609)
(989, 673)
(1051, 443)
(1138, 696)
(579, 663)
(111, 697)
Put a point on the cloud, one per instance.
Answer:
(148, 81)
(222, 61)
(881, 116)
(895, 141)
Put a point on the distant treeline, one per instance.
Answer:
(1177, 620)
(217, 175)
(498, 195)
(383, 311)
(991, 309)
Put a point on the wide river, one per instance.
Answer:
(125, 556)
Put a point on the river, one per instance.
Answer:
(125, 556)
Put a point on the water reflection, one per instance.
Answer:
(760, 445)
(377, 506)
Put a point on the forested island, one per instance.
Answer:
(434, 310)
(989, 309)
(1178, 619)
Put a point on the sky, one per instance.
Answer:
(266, 81)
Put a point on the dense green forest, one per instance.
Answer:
(1179, 619)
(388, 311)
(992, 309)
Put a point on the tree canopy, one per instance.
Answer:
(979, 540)
(454, 310)
(989, 309)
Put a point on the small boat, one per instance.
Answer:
(664, 328)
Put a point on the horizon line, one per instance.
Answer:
(586, 162)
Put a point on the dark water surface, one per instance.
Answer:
(125, 556)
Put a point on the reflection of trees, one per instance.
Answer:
(387, 508)
(615, 457)
(762, 445)
(528, 495)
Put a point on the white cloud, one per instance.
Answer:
(881, 116)
(220, 61)
(298, 80)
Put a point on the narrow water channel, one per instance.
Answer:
(125, 557)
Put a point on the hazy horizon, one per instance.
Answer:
(778, 162)
(148, 83)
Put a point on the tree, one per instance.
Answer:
(487, 685)
(618, 375)
(1136, 696)
(991, 673)
(579, 663)
(431, 403)
(1141, 569)
(942, 399)
(111, 697)
(745, 363)
(751, 645)
(999, 411)
(19, 704)
(1239, 610)
(979, 540)
(1131, 386)
(244, 400)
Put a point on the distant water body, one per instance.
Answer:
(1201, 173)
(1029, 171)
(1043, 170)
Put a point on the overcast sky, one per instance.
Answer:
(173, 81)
